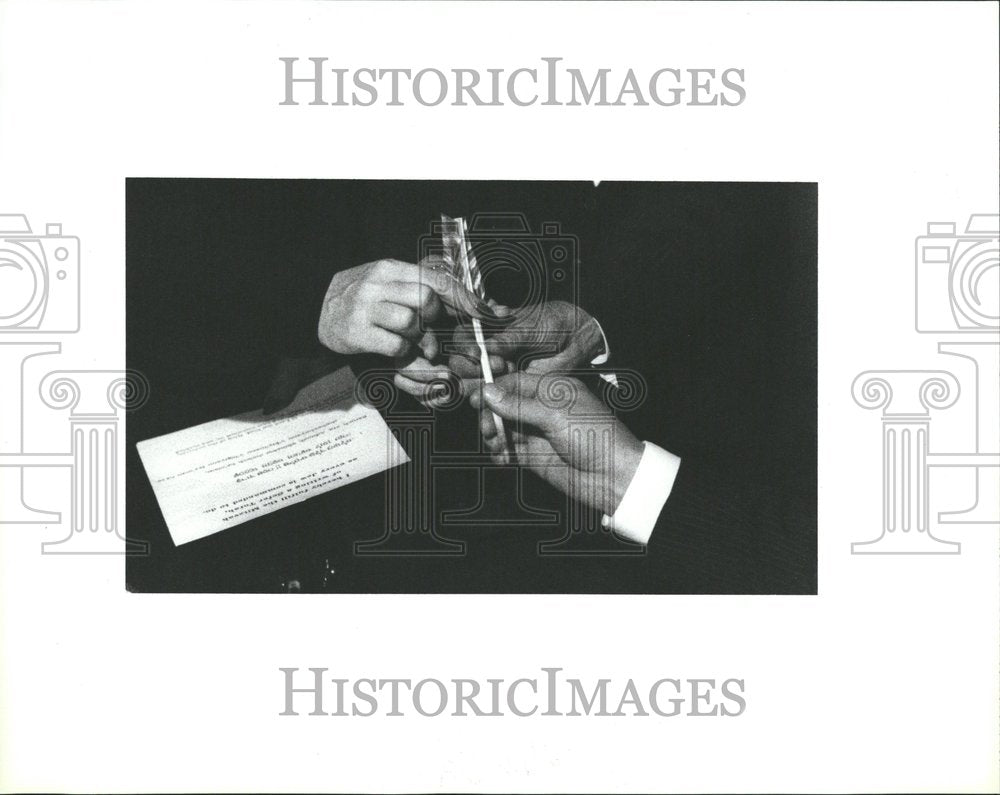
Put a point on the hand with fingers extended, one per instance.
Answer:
(546, 337)
(563, 433)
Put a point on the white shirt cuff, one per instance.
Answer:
(646, 494)
(602, 358)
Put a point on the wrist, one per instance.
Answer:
(626, 455)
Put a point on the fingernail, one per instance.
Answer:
(485, 309)
(493, 393)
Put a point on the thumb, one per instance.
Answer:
(459, 300)
(514, 397)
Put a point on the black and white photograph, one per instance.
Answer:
(482, 387)
(531, 396)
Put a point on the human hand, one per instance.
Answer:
(425, 381)
(435, 385)
(563, 433)
(432, 385)
(384, 307)
(552, 336)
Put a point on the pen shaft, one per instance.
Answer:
(484, 362)
(477, 330)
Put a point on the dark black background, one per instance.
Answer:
(706, 289)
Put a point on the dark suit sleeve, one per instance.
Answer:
(292, 300)
(719, 537)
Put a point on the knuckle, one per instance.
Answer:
(406, 317)
(367, 291)
(358, 320)
(340, 280)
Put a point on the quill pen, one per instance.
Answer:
(460, 257)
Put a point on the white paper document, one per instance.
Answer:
(226, 472)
